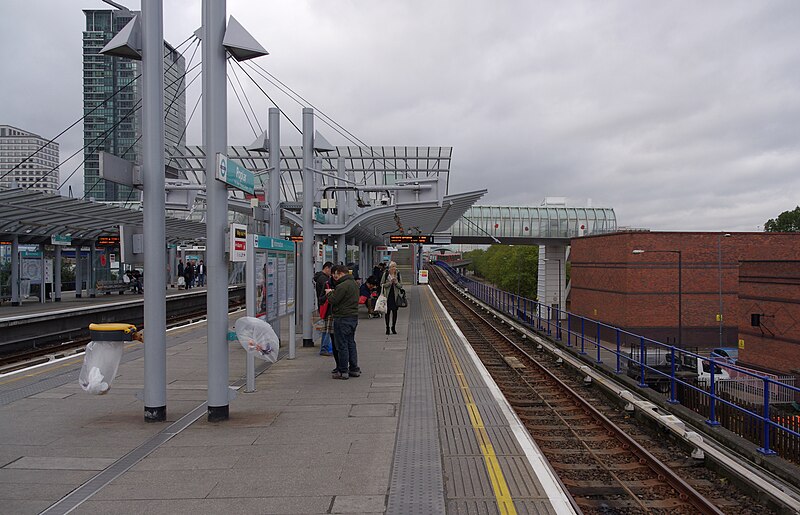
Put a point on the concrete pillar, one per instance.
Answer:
(308, 226)
(15, 299)
(173, 265)
(78, 272)
(91, 281)
(57, 275)
(155, 302)
(42, 283)
(215, 133)
(552, 276)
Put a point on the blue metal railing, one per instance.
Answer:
(529, 312)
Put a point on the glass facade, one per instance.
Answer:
(116, 126)
(40, 172)
(535, 222)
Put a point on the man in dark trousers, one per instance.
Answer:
(344, 301)
(201, 274)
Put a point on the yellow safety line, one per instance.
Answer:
(499, 485)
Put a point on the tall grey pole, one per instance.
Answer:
(250, 301)
(78, 272)
(215, 130)
(91, 282)
(155, 303)
(308, 224)
(341, 245)
(15, 271)
(719, 257)
(274, 193)
(42, 286)
(57, 275)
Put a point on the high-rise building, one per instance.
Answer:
(40, 172)
(116, 127)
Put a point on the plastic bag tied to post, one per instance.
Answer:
(258, 338)
(103, 355)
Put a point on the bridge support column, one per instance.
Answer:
(552, 277)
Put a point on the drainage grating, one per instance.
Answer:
(417, 485)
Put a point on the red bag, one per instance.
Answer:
(323, 309)
(362, 299)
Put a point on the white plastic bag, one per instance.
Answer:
(381, 305)
(257, 337)
(100, 365)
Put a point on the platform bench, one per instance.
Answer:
(108, 286)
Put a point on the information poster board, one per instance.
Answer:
(275, 277)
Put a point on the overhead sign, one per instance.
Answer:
(409, 238)
(58, 239)
(238, 242)
(267, 243)
(108, 241)
(319, 216)
(233, 174)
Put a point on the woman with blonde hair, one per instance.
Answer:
(392, 289)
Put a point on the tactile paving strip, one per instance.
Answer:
(468, 488)
(417, 485)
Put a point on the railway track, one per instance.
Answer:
(16, 360)
(589, 442)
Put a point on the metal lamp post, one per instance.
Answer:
(680, 287)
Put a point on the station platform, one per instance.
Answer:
(423, 430)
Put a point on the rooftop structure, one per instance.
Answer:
(39, 172)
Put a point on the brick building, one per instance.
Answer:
(771, 291)
(639, 292)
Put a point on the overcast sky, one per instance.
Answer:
(680, 115)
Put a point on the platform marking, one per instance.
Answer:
(553, 488)
(504, 502)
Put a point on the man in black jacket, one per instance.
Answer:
(344, 301)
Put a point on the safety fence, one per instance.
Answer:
(752, 404)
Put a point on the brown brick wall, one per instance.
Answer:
(770, 288)
(640, 292)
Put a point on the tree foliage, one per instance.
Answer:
(788, 221)
(511, 268)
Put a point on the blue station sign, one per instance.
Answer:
(233, 174)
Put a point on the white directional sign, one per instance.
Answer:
(238, 242)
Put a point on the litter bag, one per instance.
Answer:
(257, 337)
(100, 365)
(381, 305)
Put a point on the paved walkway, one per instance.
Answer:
(302, 443)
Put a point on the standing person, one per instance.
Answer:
(344, 301)
(201, 274)
(181, 272)
(391, 286)
(322, 282)
(188, 275)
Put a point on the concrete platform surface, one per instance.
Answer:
(302, 443)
